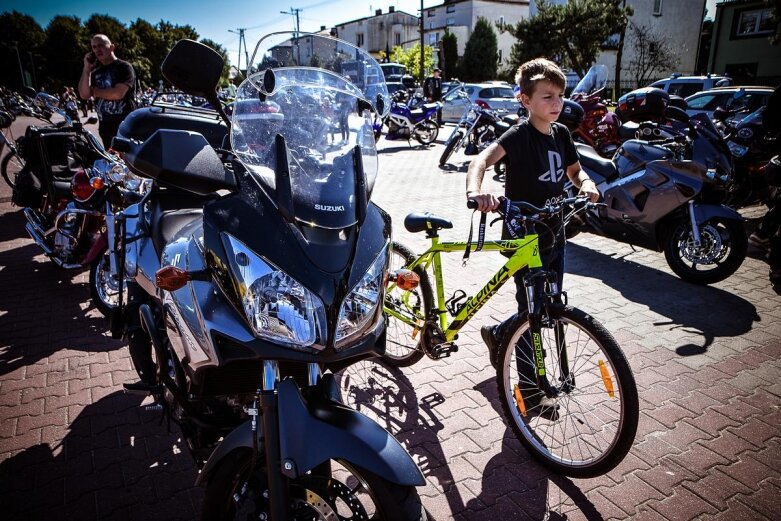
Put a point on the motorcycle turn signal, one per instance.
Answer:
(405, 279)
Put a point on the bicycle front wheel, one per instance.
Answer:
(406, 312)
(589, 427)
(10, 166)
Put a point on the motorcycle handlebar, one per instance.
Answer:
(121, 144)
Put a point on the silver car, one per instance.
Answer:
(743, 99)
(492, 96)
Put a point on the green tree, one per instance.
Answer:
(410, 58)
(64, 50)
(481, 54)
(226, 61)
(449, 45)
(20, 32)
(571, 34)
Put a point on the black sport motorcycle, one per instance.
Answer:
(668, 195)
(255, 272)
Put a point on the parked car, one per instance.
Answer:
(745, 99)
(685, 86)
(490, 96)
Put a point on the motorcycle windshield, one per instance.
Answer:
(594, 80)
(325, 118)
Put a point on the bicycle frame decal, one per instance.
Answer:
(538, 357)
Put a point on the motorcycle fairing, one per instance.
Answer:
(316, 430)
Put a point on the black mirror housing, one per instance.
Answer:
(194, 68)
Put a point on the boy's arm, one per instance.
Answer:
(581, 180)
(474, 177)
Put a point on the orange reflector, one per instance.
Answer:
(519, 400)
(97, 183)
(606, 379)
(171, 278)
(405, 279)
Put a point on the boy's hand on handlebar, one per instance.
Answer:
(589, 189)
(485, 202)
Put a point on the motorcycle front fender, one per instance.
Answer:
(703, 212)
(316, 431)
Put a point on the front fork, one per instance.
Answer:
(538, 299)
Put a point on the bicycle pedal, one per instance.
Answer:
(443, 350)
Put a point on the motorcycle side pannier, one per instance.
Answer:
(143, 122)
(571, 115)
(644, 104)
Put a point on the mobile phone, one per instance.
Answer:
(91, 57)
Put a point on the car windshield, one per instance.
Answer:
(317, 95)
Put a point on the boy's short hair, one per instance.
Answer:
(537, 70)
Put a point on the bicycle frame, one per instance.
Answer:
(526, 254)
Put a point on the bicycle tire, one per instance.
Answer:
(4, 165)
(403, 345)
(574, 413)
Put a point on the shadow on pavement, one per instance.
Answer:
(115, 462)
(703, 310)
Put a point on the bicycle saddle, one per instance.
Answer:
(418, 222)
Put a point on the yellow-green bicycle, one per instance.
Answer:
(564, 384)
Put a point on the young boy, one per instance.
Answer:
(539, 153)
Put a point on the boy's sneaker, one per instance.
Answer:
(758, 241)
(489, 337)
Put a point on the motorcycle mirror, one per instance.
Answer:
(269, 81)
(720, 114)
(380, 104)
(194, 68)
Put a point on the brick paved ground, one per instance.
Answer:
(73, 446)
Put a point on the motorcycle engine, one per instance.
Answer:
(65, 236)
(396, 129)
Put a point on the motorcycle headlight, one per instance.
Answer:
(117, 173)
(360, 305)
(737, 149)
(278, 308)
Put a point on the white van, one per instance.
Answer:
(685, 86)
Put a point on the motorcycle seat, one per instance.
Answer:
(431, 106)
(590, 160)
(418, 222)
(502, 126)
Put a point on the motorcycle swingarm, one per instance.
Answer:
(312, 433)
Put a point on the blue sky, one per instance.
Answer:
(213, 20)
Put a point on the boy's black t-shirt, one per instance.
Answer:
(108, 76)
(537, 165)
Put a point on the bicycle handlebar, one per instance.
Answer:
(579, 202)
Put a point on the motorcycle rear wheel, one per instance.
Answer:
(427, 132)
(348, 492)
(723, 248)
(11, 165)
(450, 146)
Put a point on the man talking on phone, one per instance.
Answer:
(111, 82)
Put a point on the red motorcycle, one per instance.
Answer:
(600, 127)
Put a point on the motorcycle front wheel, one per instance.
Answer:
(235, 492)
(426, 132)
(103, 286)
(588, 427)
(11, 165)
(723, 245)
(450, 146)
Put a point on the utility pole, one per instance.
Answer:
(240, 32)
(294, 12)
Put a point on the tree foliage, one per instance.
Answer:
(653, 54)
(570, 34)
(410, 58)
(449, 46)
(58, 50)
(481, 54)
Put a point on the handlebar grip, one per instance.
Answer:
(121, 144)
(471, 204)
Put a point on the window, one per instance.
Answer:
(707, 101)
(501, 20)
(500, 56)
(432, 13)
(451, 9)
(450, 21)
(396, 38)
(432, 38)
(684, 90)
(657, 7)
(756, 21)
(359, 39)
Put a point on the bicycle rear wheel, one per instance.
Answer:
(590, 426)
(406, 312)
(10, 166)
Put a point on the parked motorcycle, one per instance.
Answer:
(667, 195)
(404, 122)
(255, 272)
(599, 127)
(477, 128)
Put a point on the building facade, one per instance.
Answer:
(740, 45)
(381, 32)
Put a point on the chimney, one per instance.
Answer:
(392, 9)
(322, 28)
(378, 12)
